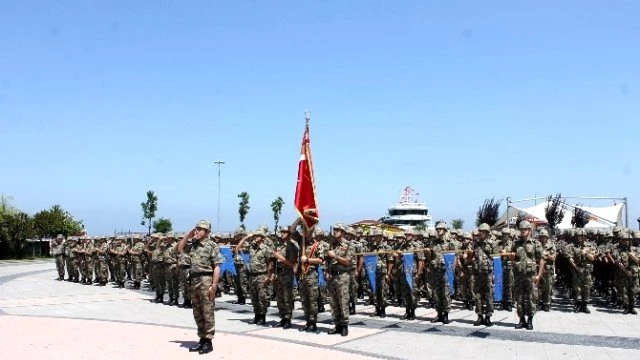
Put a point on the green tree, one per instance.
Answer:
(149, 209)
(488, 212)
(5, 205)
(580, 217)
(420, 227)
(162, 225)
(276, 207)
(244, 207)
(15, 229)
(457, 223)
(54, 221)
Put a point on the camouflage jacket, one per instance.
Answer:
(205, 255)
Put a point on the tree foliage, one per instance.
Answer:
(580, 217)
(5, 205)
(149, 209)
(244, 207)
(489, 212)
(15, 229)
(162, 225)
(276, 207)
(457, 223)
(420, 227)
(554, 211)
(54, 221)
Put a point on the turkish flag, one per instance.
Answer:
(305, 200)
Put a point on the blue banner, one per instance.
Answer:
(450, 263)
(321, 280)
(497, 278)
(407, 262)
(246, 259)
(370, 266)
(227, 265)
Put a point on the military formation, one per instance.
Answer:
(316, 268)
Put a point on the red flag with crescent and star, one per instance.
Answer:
(305, 200)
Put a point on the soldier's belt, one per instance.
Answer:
(201, 274)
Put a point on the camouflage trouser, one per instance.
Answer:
(581, 285)
(103, 273)
(483, 293)
(339, 298)
(545, 287)
(467, 284)
(507, 284)
(457, 288)
(323, 294)
(308, 287)
(409, 296)
(426, 283)
(88, 269)
(353, 286)
(171, 276)
(398, 282)
(259, 296)
(137, 271)
(627, 287)
(241, 281)
(112, 267)
(60, 266)
(121, 272)
(381, 295)
(526, 294)
(203, 307)
(78, 265)
(157, 271)
(70, 271)
(363, 284)
(284, 293)
(184, 285)
(441, 293)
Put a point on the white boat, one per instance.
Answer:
(409, 212)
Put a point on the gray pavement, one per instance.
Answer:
(28, 291)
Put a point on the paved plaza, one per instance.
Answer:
(41, 318)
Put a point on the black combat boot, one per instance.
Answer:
(529, 323)
(336, 330)
(577, 306)
(287, 324)
(241, 301)
(262, 319)
(207, 347)
(509, 306)
(198, 347)
(280, 324)
(479, 321)
(406, 315)
(632, 311)
(522, 324)
(626, 311)
(585, 309)
(352, 308)
(305, 327)
(445, 318)
(187, 304)
(136, 285)
(313, 328)
(412, 314)
(487, 321)
(255, 319)
(159, 300)
(345, 330)
(438, 318)
(321, 309)
(383, 312)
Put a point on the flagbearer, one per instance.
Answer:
(339, 263)
(483, 276)
(282, 273)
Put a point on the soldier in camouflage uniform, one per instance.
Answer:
(482, 260)
(465, 264)
(170, 259)
(89, 260)
(78, 259)
(410, 294)
(504, 245)
(184, 263)
(136, 253)
(204, 274)
(581, 257)
(111, 258)
(258, 268)
(102, 260)
(626, 276)
(311, 256)
(545, 287)
(439, 284)
(57, 250)
(338, 269)
(121, 260)
(353, 281)
(72, 271)
(384, 269)
(242, 275)
(155, 247)
(285, 255)
(528, 270)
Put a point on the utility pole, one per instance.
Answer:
(219, 163)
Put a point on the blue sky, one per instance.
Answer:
(463, 100)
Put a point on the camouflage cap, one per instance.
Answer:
(339, 226)
(484, 227)
(524, 224)
(155, 236)
(474, 232)
(283, 229)
(506, 231)
(120, 238)
(441, 225)
(543, 233)
(318, 232)
(261, 232)
(60, 237)
(204, 224)
(454, 232)
(467, 235)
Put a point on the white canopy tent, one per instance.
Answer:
(600, 217)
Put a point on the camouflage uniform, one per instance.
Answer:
(579, 254)
(205, 256)
(184, 263)
(339, 282)
(626, 275)
(89, 261)
(170, 259)
(242, 275)
(545, 286)
(284, 274)
(384, 266)
(136, 253)
(528, 254)
(103, 265)
(505, 245)
(70, 255)
(466, 273)
(156, 247)
(111, 258)
(258, 269)
(78, 260)
(57, 250)
(308, 283)
(439, 283)
(483, 276)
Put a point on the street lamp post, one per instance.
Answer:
(219, 163)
